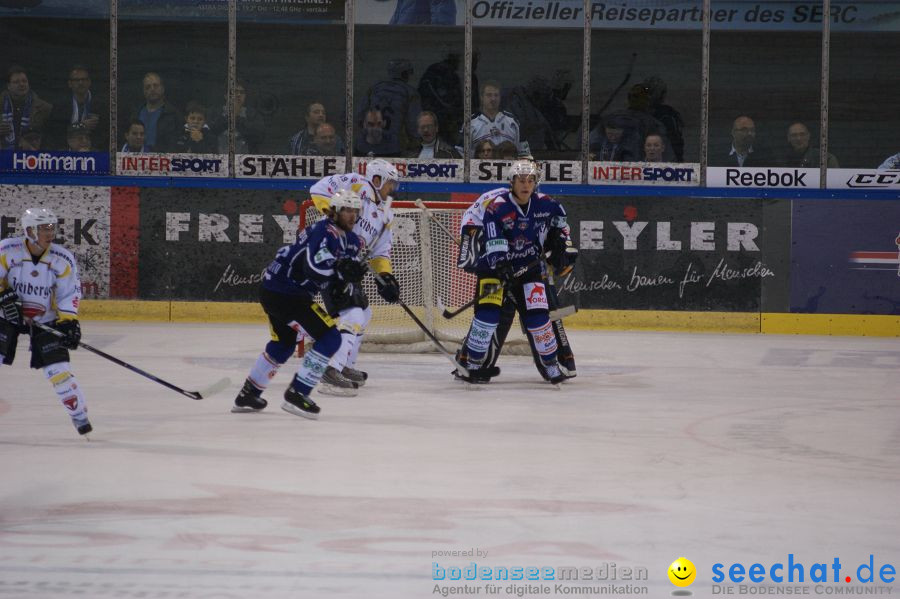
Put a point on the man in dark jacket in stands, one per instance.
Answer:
(432, 146)
(162, 121)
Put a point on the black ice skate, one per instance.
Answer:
(82, 425)
(357, 376)
(299, 404)
(335, 383)
(249, 399)
(477, 376)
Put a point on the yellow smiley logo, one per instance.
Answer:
(682, 572)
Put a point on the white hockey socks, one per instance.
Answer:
(352, 325)
(68, 391)
(263, 371)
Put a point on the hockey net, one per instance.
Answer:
(423, 258)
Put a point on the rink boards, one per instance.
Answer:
(647, 262)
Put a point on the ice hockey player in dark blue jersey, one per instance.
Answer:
(520, 226)
(325, 254)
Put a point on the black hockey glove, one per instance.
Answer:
(72, 331)
(388, 287)
(350, 270)
(11, 307)
(562, 253)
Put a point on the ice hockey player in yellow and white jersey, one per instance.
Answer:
(39, 284)
(374, 229)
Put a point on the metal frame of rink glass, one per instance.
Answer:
(206, 392)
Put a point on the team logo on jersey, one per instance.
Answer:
(523, 224)
(71, 402)
(34, 273)
(535, 296)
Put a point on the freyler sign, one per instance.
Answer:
(650, 253)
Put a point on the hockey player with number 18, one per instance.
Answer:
(519, 226)
(471, 246)
(374, 229)
(324, 253)
(39, 284)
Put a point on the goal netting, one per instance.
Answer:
(424, 261)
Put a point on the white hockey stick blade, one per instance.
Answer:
(440, 305)
(560, 313)
(219, 385)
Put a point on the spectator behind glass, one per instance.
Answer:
(432, 146)
(506, 151)
(196, 137)
(484, 150)
(493, 124)
(249, 126)
(798, 154)
(892, 162)
(80, 106)
(668, 116)
(301, 141)
(326, 142)
(374, 141)
(539, 107)
(744, 150)
(134, 138)
(399, 104)
(654, 146)
(162, 121)
(22, 109)
(78, 138)
(614, 141)
(638, 123)
(441, 92)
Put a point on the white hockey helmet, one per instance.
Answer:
(384, 169)
(345, 198)
(524, 168)
(37, 216)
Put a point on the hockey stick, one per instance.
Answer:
(215, 387)
(421, 205)
(421, 325)
(621, 85)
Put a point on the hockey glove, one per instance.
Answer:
(388, 287)
(350, 270)
(11, 307)
(562, 253)
(72, 331)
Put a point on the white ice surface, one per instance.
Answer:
(721, 448)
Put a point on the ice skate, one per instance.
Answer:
(83, 426)
(357, 376)
(298, 404)
(249, 399)
(335, 383)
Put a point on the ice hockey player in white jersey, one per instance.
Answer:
(374, 229)
(39, 284)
